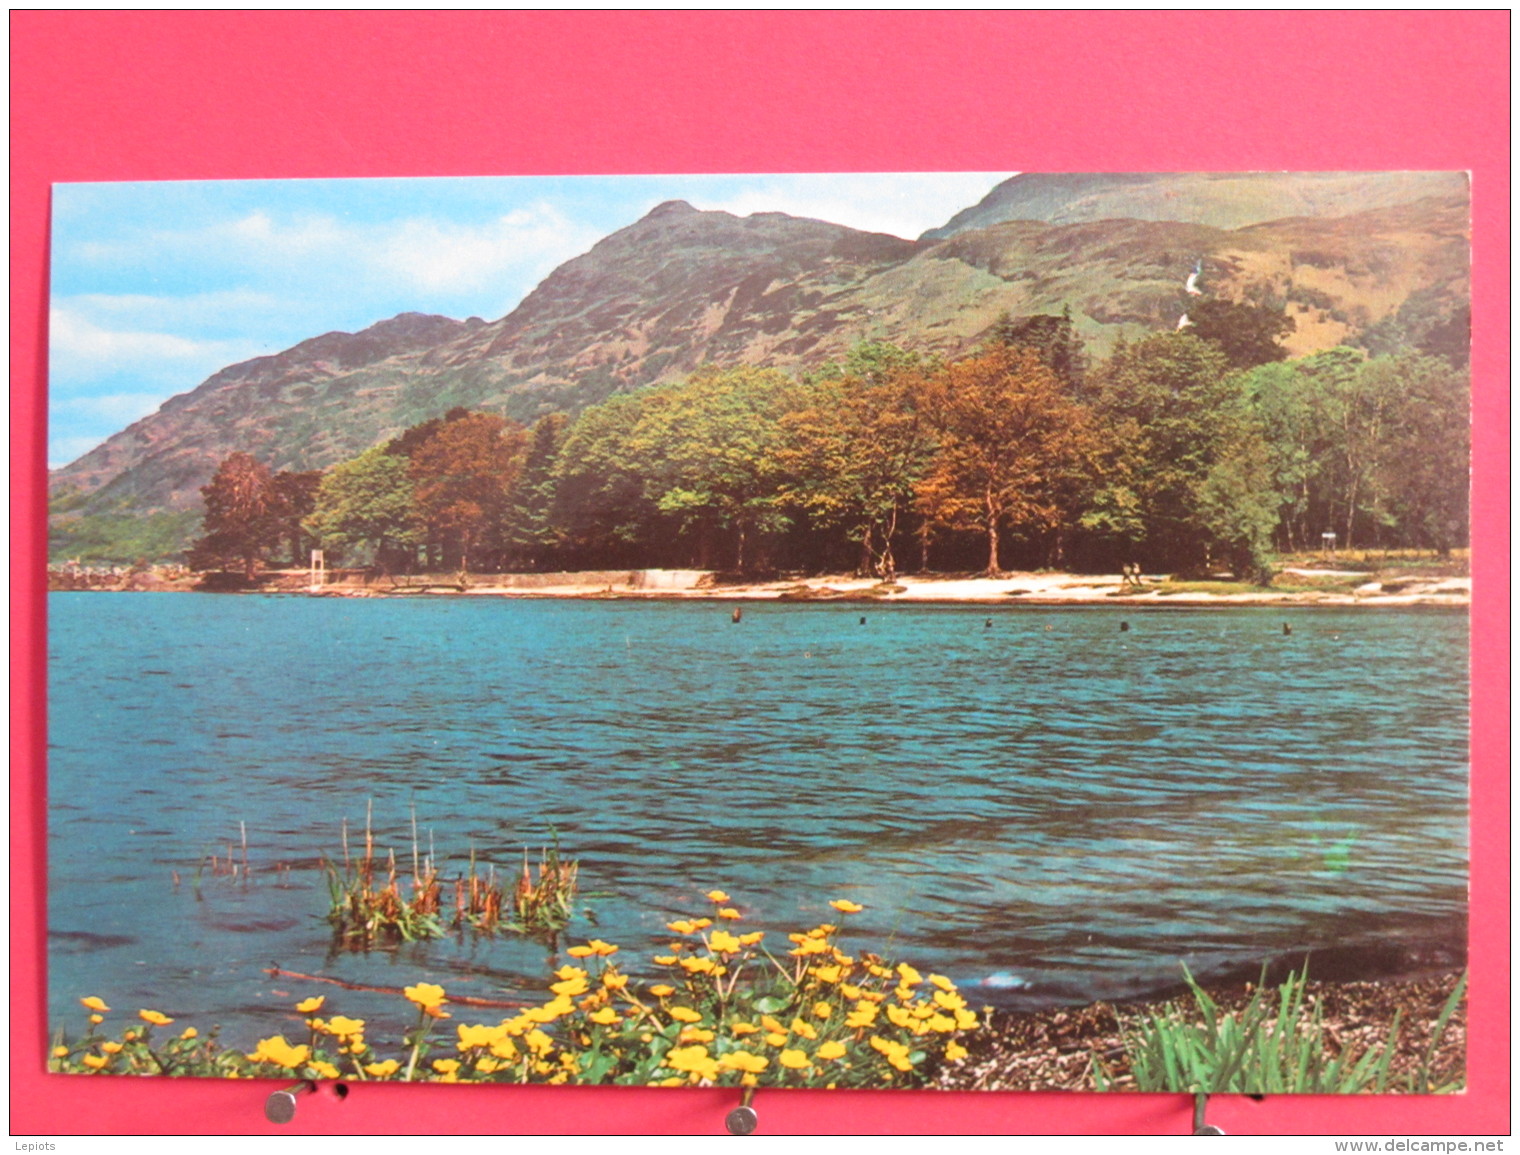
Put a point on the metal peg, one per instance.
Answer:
(743, 1120)
(1200, 1127)
(280, 1107)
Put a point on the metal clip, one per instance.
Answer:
(743, 1120)
(280, 1107)
(1200, 1127)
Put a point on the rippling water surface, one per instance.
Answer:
(1047, 807)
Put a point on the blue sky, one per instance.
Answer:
(155, 286)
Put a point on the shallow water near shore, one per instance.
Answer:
(1047, 809)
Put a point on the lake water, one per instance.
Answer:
(1049, 808)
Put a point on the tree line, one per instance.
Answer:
(1186, 451)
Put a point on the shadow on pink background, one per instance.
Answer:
(101, 96)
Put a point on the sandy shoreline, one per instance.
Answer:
(1292, 587)
(1012, 589)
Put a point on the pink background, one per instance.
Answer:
(102, 96)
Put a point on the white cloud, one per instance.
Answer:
(306, 255)
(227, 310)
(119, 409)
(63, 450)
(903, 204)
(448, 256)
(81, 350)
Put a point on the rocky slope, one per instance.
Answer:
(680, 287)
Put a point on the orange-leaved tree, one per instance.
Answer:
(1012, 445)
(463, 476)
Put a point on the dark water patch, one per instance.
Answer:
(75, 941)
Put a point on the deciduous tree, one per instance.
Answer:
(242, 516)
(1011, 443)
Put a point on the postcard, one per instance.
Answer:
(917, 630)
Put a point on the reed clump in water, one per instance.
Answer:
(370, 899)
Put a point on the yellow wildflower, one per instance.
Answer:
(965, 1020)
(776, 1039)
(954, 1051)
(895, 1053)
(742, 1028)
(828, 974)
(822, 1010)
(701, 923)
(567, 972)
(845, 906)
(614, 981)
(425, 995)
(487, 1065)
(94, 1003)
(804, 1029)
(863, 1015)
(60, 1052)
(157, 1018)
(744, 1061)
(95, 1061)
(445, 1066)
(682, 926)
(751, 938)
(97, 1019)
(909, 976)
(383, 1070)
(605, 1017)
(949, 1000)
(324, 1070)
(580, 952)
(307, 1006)
(344, 1027)
(723, 942)
(833, 1049)
(797, 1060)
(602, 949)
(279, 1052)
(538, 1042)
(698, 966)
(729, 912)
(471, 1038)
(717, 896)
(694, 1060)
(554, 1009)
(696, 1035)
(809, 946)
(685, 1015)
(504, 1048)
(941, 1023)
(189, 1033)
(849, 991)
(901, 1016)
(662, 990)
(110, 1047)
(771, 1024)
(942, 982)
(904, 993)
(665, 960)
(570, 987)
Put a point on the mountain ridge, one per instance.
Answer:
(681, 287)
